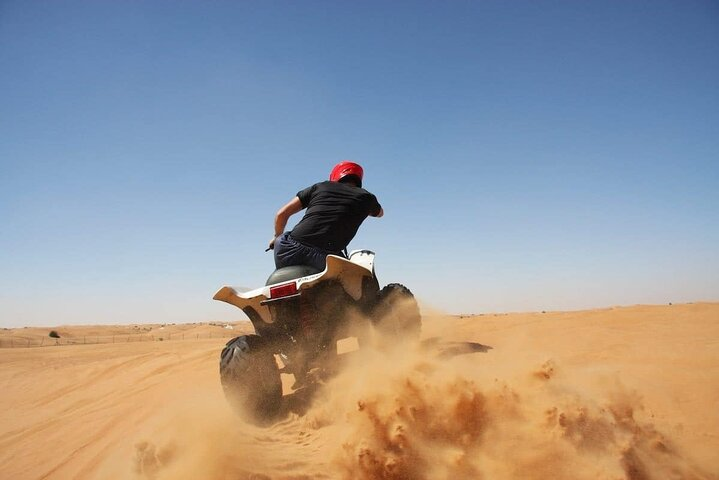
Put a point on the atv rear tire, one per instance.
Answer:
(250, 378)
(396, 316)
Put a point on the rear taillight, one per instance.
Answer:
(283, 290)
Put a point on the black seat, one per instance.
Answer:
(285, 274)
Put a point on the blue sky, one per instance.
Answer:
(529, 155)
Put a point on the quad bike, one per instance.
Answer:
(299, 316)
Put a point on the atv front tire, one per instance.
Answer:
(250, 378)
(396, 316)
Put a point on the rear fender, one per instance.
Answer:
(350, 273)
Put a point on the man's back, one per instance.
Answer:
(335, 210)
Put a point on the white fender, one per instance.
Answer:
(349, 272)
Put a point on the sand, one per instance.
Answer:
(628, 392)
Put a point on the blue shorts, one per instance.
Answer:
(289, 251)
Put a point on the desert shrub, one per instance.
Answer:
(53, 334)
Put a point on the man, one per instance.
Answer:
(335, 210)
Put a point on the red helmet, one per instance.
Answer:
(345, 168)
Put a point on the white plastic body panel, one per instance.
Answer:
(350, 273)
(364, 258)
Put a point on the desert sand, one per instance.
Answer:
(616, 393)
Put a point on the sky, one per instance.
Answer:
(529, 156)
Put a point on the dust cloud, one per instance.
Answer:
(615, 393)
(432, 411)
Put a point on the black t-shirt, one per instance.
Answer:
(335, 211)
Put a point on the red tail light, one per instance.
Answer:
(283, 290)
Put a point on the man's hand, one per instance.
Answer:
(271, 246)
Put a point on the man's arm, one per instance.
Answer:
(375, 209)
(283, 215)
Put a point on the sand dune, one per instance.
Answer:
(604, 394)
(96, 334)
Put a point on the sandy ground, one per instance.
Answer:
(604, 394)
